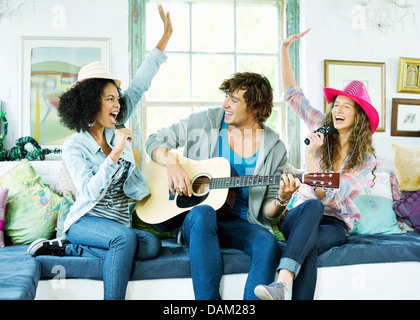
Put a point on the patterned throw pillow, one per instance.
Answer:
(3, 198)
(32, 207)
(408, 208)
(375, 204)
(66, 204)
(377, 216)
(65, 185)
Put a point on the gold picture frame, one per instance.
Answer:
(338, 73)
(409, 75)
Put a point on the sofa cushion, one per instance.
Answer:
(65, 185)
(3, 199)
(65, 207)
(19, 274)
(173, 262)
(408, 208)
(70, 267)
(32, 207)
(375, 204)
(47, 169)
(377, 216)
(407, 166)
(374, 248)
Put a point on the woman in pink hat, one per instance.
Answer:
(322, 218)
(100, 161)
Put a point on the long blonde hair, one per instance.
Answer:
(360, 143)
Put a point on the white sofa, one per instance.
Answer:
(389, 280)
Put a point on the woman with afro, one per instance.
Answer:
(100, 161)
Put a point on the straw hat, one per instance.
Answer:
(357, 91)
(95, 70)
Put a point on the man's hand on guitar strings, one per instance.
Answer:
(178, 180)
(288, 186)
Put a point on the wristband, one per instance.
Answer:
(280, 202)
(1, 225)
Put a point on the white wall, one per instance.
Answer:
(58, 18)
(332, 37)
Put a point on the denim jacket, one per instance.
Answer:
(88, 167)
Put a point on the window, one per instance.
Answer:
(211, 41)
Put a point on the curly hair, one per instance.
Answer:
(361, 137)
(79, 105)
(258, 95)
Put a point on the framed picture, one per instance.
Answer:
(405, 117)
(338, 73)
(409, 75)
(48, 68)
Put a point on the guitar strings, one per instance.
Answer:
(246, 181)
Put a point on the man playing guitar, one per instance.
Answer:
(235, 131)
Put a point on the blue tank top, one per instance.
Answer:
(241, 166)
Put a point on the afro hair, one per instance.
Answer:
(80, 104)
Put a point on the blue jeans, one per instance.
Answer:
(116, 244)
(309, 233)
(205, 235)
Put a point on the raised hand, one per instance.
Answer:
(167, 29)
(287, 76)
(290, 40)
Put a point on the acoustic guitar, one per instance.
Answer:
(211, 182)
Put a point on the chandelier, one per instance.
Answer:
(10, 7)
(382, 13)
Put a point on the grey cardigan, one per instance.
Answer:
(198, 135)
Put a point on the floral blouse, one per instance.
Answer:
(337, 202)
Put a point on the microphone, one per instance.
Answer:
(121, 126)
(326, 129)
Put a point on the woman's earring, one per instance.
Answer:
(92, 124)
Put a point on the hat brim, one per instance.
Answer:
(370, 111)
(117, 82)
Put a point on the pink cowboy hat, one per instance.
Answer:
(356, 90)
(95, 70)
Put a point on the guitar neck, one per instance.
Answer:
(247, 181)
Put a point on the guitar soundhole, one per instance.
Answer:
(200, 185)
